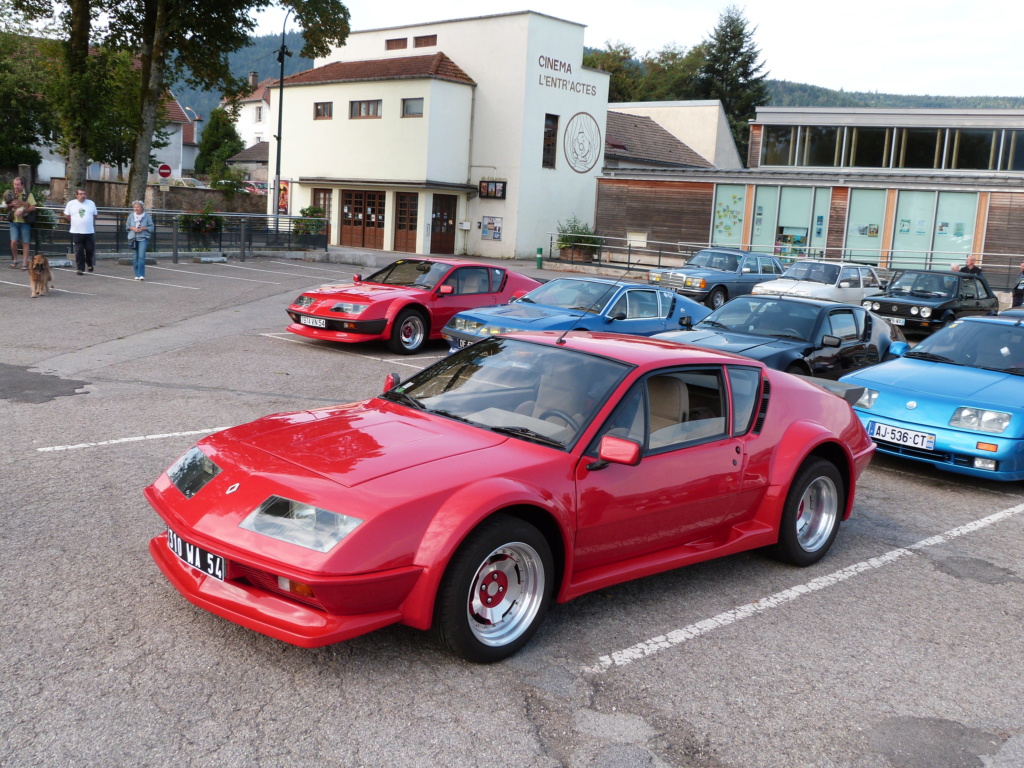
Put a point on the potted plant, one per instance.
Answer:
(202, 226)
(576, 240)
(311, 227)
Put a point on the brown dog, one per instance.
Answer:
(39, 276)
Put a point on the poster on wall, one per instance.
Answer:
(283, 197)
(491, 228)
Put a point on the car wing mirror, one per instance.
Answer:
(831, 341)
(356, 278)
(844, 283)
(391, 381)
(898, 349)
(616, 450)
(685, 322)
(446, 290)
(617, 316)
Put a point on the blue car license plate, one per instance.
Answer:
(908, 437)
(198, 558)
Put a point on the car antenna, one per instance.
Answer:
(561, 338)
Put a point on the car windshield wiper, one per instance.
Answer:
(401, 397)
(713, 324)
(528, 434)
(450, 415)
(929, 356)
(1011, 371)
(526, 300)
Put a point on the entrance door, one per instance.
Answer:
(362, 218)
(442, 224)
(406, 219)
(322, 200)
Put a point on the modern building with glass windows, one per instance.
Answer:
(895, 188)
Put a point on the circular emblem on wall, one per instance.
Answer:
(582, 142)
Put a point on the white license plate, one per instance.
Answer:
(896, 320)
(890, 434)
(198, 558)
(316, 322)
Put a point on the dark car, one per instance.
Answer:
(926, 300)
(813, 337)
(716, 275)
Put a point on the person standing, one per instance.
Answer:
(971, 266)
(82, 214)
(19, 203)
(140, 228)
(1018, 289)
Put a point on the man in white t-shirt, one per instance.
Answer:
(82, 215)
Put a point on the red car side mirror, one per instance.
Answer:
(356, 278)
(391, 381)
(616, 450)
(446, 290)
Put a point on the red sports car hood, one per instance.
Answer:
(363, 292)
(357, 443)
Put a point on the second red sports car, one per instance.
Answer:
(405, 303)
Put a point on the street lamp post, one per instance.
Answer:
(282, 52)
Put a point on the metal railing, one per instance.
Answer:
(1000, 269)
(190, 232)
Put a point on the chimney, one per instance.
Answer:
(254, 80)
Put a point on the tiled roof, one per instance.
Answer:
(261, 92)
(632, 137)
(436, 66)
(257, 153)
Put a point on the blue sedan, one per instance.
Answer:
(570, 303)
(953, 401)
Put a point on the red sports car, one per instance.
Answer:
(513, 473)
(406, 303)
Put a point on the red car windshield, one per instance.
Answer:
(410, 274)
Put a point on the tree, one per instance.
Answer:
(25, 110)
(619, 61)
(219, 141)
(182, 38)
(671, 74)
(732, 74)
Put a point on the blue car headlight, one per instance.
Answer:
(980, 420)
(464, 324)
(867, 399)
(495, 330)
(301, 524)
(192, 472)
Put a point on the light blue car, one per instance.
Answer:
(954, 401)
(571, 303)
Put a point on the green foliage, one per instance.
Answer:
(619, 61)
(312, 223)
(26, 113)
(204, 222)
(671, 74)
(786, 94)
(227, 179)
(219, 141)
(732, 74)
(578, 234)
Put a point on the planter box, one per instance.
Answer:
(577, 253)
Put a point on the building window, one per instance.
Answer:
(819, 145)
(412, 107)
(870, 147)
(323, 110)
(258, 115)
(364, 109)
(920, 148)
(778, 144)
(975, 149)
(396, 44)
(424, 41)
(550, 141)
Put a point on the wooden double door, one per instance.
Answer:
(362, 218)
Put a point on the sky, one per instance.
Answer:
(933, 48)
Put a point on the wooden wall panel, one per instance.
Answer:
(669, 212)
(836, 235)
(754, 150)
(1004, 232)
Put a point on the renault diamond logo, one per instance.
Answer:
(232, 489)
(911, 405)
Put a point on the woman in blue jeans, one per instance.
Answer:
(140, 229)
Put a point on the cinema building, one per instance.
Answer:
(897, 188)
(467, 136)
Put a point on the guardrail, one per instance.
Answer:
(190, 232)
(1000, 269)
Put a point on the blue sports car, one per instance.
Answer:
(590, 304)
(953, 401)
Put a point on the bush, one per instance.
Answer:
(577, 234)
(312, 223)
(203, 222)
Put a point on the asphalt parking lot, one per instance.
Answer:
(903, 648)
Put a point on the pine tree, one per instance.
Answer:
(732, 74)
(219, 141)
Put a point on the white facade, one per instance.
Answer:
(524, 71)
(254, 122)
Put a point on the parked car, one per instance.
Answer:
(186, 181)
(954, 400)
(405, 303)
(580, 304)
(512, 474)
(813, 337)
(824, 280)
(716, 275)
(257, 187)
(926, 300)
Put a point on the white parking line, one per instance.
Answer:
(54, 289)
(270, 271)
(655, 644)
(419, 364)
(130, 279)
(207, 274)
(128, 440)
(318, 269)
